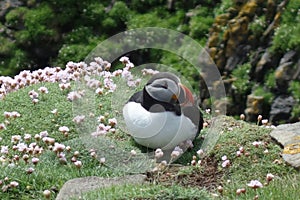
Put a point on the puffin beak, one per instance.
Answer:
(187, 97)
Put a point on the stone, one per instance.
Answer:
(74, 188)
(254, 107)
(281, 108)
(285, 71)
(262, 65)
(288, 135)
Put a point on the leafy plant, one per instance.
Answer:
(242, 78)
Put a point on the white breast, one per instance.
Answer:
(163, 130)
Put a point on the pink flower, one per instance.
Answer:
(4, 150)
(78, 164)
(43, 90)
(64, 129)
(255, 184)
(79, 119)
(35, 160)
(124, 59)
(2, 126)
(256, 143)
(33, 94)
(30, 170)
(74, 95)
(65, 86)
(226, 163)
(112, 122)
(58, 147)
(176, 152)
(44, 134)
(14, 184)
(238, 153)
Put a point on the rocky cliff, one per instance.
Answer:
(261, 74)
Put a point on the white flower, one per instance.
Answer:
(133, 152)
(14, 184)
(102, 160)
(224, 157)
(54, 111)
(2, 126)
(264, 121)
(256, 143)
(47, 193)
(158, 153)
(200, 152)
(78, 164)
(269, 177)
(255, 184)
(99, 91)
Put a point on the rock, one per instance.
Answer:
(285, 71)
(76, 187)
(262, 65)
(254, 107)
(281, 108)
(239, 57)
(288, 135)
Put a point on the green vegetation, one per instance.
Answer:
(51, 172)
(242, 79)
(147, 191)
(294, 90)
(287, 35)
(55, 32)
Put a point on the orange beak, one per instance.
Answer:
(186, 98)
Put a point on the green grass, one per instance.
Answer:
(51, 174)
(147, 191)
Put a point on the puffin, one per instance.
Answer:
(163, 114)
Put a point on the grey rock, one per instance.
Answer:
(74, 188)
(281, 108)
(288, 135)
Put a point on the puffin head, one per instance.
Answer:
(166, 87)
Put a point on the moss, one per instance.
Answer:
(270, 79)
(38, 21)
(294, 90)
(242, 78)
(267, 95)
(287, 36)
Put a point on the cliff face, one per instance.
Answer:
(260, 75)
